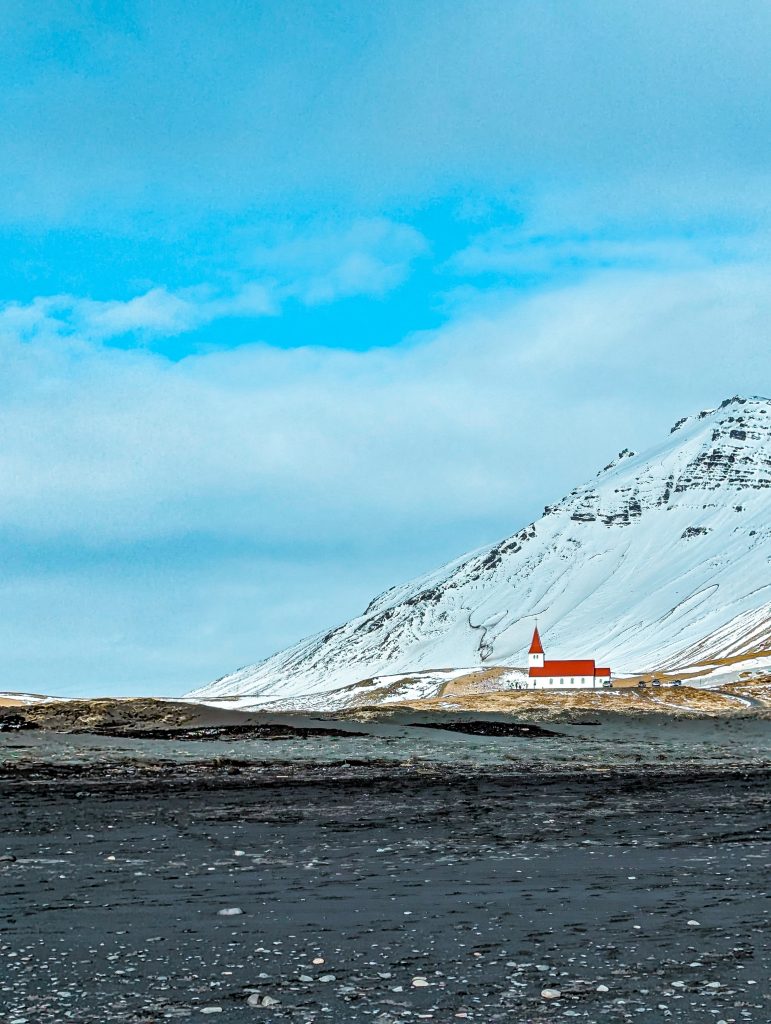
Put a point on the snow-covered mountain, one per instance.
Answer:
(663, 561)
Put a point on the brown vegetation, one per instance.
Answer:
(541, 705)
(68, 715)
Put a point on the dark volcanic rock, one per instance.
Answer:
(266, 731)
(9, 723)
(480, 727)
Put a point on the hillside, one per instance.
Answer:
(658, 564)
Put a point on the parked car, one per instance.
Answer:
(676, 682)
(641, 685)
(656, 682)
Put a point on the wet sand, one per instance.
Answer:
(635, 895)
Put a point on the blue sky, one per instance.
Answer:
(298, 300)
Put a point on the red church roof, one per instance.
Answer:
(566, 668)
(570, 667)
(535, 646)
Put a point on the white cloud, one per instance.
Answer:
(366, 258)
(369, 257)
(515, 252)
(278, 443)
(155, 313)
(391, 100)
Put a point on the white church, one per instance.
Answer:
(562, 675)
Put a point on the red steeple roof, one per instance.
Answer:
(535, 646)
(581, 667)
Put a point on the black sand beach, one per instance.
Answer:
(384, 892)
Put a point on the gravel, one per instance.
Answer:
(519, 885)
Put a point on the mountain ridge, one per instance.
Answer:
(661, 557)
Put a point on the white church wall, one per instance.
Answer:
(565, 682)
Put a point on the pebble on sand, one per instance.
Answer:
(420, 983)
(551, 993)
(229, 912)
(257, 1000)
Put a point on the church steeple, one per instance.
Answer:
(535, 654)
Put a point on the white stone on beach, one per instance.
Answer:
(419, 983)
(551, 993)
(230, 912)
(255, 999)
